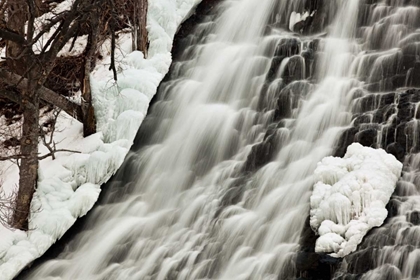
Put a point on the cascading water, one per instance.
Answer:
(220, 186)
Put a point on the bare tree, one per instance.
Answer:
(23, 79)
(33, 70)
(46, 132)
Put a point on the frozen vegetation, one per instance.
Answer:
(70, 185)
(349, 197)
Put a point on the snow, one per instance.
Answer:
(349, 197)
(69, 186)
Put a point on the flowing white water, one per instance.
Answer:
(190, 211)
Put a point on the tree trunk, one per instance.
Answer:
(88, 112)
(17, 14)
(17, 62)
(28, 169)
(140, 35)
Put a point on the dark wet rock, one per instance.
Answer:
(348, 277)
(413, 136)
(409, 56)
(367, 103)
(204, 9)
(346, 138)
(366, 137)
(365, 118)
(289, 99)
(405, 111)
(388, 83)
(288, 47)
(414, 76)
(295, 69)
(362, 261)
(382, 114)
(400, 135)
(315, 266)
(388, 116)
(261, 153)
(392, 207)
(414, 95)
(274, 67)
(310, 265)
(312, 5)
(298, 27)
(309, 58)
(414, 217)
(386, 99)
(397, 150)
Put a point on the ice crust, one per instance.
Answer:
(349, 197)
(70, 185)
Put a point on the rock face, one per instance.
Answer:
(385, 120)
(390, 121)
(385, 115)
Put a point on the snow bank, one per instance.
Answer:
(69, 186)
(350, 196)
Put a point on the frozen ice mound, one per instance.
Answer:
(349, 197)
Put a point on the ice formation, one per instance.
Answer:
(297, 17)
(349, 197)
(69, 186)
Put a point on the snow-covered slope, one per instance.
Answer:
(350, 196)
(69, 186)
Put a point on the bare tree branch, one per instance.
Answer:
(31, 20)
(7, 207)
(12, 36)
(18, 156)
(46, 28)
(52, 154)
(46, 94)
(49, 142)
(112, 30)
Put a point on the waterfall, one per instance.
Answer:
(219, 184)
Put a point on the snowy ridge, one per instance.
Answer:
(70, 185)
(350, 196)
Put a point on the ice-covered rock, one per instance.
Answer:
(349, 197)
(297, 17)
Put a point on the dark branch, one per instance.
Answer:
(46, 28)
(12, 36)
(11, 157)
(57, 151)
(112, 26)
(46, 94)
(11, 94)
(31, 20)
